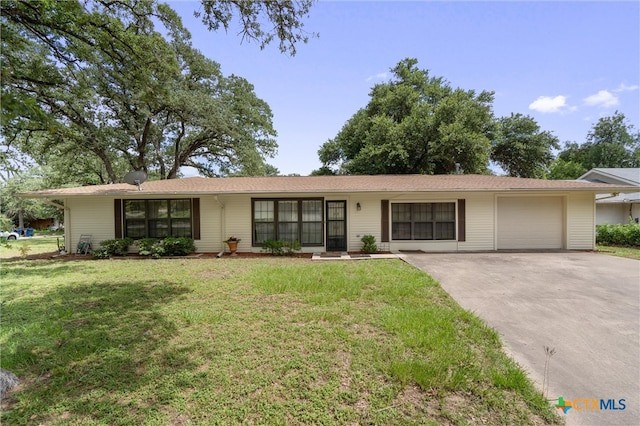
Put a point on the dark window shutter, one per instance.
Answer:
(462, 228)
(117, 214)
(384, 210)
(195, 218)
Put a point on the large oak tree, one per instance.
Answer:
(521, 148)
(111, 86)
(414, 123)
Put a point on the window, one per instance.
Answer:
(423, 221)
(288, 219)
(157, 218)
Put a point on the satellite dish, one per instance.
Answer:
(136, 177)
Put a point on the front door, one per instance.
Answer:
(336, 225)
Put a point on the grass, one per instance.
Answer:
(629, 252)
(255, 341)
(31, 246)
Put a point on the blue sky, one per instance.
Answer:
(566, 64)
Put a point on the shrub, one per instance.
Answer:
(618, 235)
(109, 248)
(180, 246)
(150, 247)
(280, 247)
(369, 244)
(170, 246)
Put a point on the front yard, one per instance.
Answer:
(256, 341)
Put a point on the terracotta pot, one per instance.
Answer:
(233, 247)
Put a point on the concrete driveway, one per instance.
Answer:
(584, 305)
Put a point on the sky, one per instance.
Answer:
(566, 64)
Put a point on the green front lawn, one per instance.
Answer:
(28, 246)
(257, 341)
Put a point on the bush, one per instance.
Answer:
(280, 247)
(150, 247)
(170, 246)
(109, 248)
(618, 235)
(180, 246)
(369, 244)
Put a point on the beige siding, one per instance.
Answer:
(231, 215)
(612, 213)
(480, 224)
(210, 226)
(89, 216)
(363, 222)
(580, 220)
(237, 221)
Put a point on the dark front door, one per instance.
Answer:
(336, 225)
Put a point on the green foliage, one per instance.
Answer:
(178, 246)
(170, 246)
(414, 124)
(568, 170)
(369, 244)
(110, 248)
(99, 88)
(612, 142)
(285, 19)
(24, 249)
(19, 209)
(521, 148)
(280, 247)
(619, 235)
(150, 247)
(6, 224)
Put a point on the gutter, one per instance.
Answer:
(222, 222)
(613, 195)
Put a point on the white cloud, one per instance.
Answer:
(379, 76)
(549, 104)
(624, 88)
(603, 98)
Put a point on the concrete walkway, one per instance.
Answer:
(586, 306)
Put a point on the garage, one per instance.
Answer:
(530, 223)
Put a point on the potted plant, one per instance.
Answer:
(232, 242)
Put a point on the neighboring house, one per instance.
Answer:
(332, 213)
(616, 207)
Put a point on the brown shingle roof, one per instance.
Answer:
(325, 184)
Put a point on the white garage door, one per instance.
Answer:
(530, 223)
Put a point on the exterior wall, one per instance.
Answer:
(612, 213)
(236, 221)
(580, 221)
(210, 226)
(225, 215)
(88, 215)
(366, 221)
(480, 212)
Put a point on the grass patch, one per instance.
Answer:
(259, 341)
(629, 252)
(33, 245)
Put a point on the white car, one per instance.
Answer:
(9, 235)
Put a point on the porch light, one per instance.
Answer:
(358, 206)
